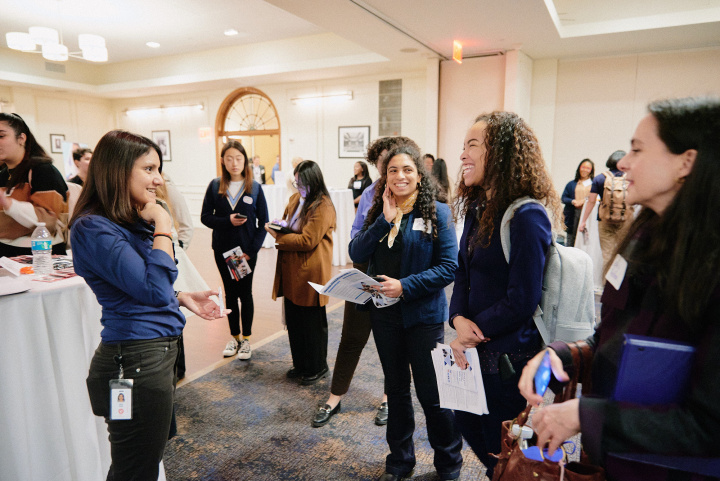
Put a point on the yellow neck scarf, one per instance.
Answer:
(404, 208)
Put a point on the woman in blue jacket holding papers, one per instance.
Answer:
(665, 284)
(409, 240)
(494, 300)
(235, 209)
(123, 248)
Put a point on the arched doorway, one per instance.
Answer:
(248, 115)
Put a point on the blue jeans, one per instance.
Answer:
(401, 349)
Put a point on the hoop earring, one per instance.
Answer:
(681, 180)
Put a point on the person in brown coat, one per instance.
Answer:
(306, 255)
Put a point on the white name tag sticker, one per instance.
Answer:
(247, 199)
(419, 224)
(357, 184)
(587, 182)
(616, 273)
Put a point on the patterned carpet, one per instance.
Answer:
(246, 420)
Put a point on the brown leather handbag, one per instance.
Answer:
(514, 466)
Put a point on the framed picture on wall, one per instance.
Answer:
(162, 138)
(56, 141)
(352, 141)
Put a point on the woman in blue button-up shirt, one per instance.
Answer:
(123, 248)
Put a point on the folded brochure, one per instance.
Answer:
(355, 286)
(236, 263)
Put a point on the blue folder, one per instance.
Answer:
(653, 371)
(656, 371)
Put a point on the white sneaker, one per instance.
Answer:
(245, 352)
(231, 348)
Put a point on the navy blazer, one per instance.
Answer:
(428, 265)
(216, 212)
(501, 297)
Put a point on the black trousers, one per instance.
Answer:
(405, 357)
(308, 335)
(136, 445)
(235, 291)
(355, 334)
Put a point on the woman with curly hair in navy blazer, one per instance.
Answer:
(409, 240)
(235, 209)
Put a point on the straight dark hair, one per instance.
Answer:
(440, 174)
(34, 153)
(684, 245)
(592, 170)
(225, 177)
(365, 170)
(311, 178)
(106, 191)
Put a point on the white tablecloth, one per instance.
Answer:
(276, 197)
(49, 433)
(345, 211)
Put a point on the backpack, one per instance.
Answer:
(567, 307)
(613, 205)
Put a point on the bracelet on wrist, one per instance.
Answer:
(163, 234)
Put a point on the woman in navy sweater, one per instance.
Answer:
(409, 241)
(493, 301)
(235, 209)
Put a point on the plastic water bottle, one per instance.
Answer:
(41, 245)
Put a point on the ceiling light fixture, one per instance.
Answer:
(312, 99)
(162, 109)
(230, 32)
(92, 47)
(153, 44)
(457, 51)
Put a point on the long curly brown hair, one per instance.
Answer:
(425, 201)
(514, 168)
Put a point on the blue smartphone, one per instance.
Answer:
(543, 374)
(533, 452)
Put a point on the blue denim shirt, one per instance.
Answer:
(132, 281)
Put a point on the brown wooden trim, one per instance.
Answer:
(222, 115)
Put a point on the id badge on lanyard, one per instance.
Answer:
(120, 395)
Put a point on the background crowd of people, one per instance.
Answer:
(657, 229)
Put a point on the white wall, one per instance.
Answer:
(79, 118)
(599, 101)
(466, 90)
(307, 131)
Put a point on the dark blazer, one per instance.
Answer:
(305, 256)
(428, 264)
(216, 212)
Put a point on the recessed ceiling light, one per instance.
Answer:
(153, 44)
(230, 32)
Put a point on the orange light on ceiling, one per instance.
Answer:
(457, 51)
